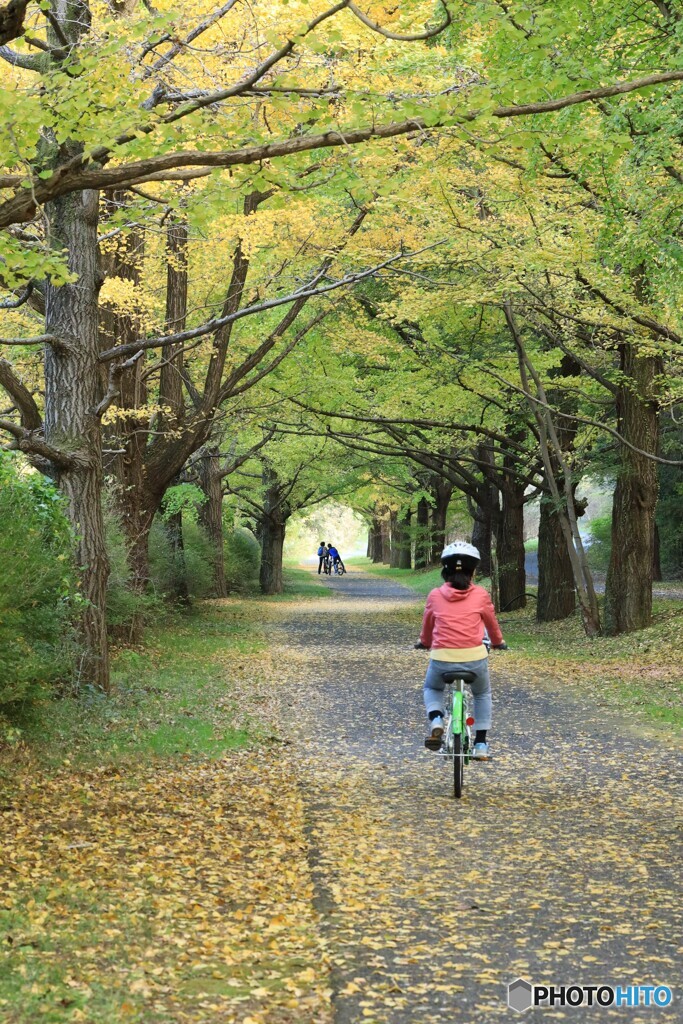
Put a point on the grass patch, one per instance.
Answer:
(640, 671)
(171, 698)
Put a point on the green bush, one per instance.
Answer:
(167, 565)
(38, 583)
(601, 543)
(242, 553)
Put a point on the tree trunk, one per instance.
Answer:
(510, 543)
(483, 513)
(385, 532)
(376, 539)
(556, 588)
(442, 492)
(174, 530)
(72, 394)
(272, 544)
(422, 545)
(211, 515)
(404, 547)
(395, 540)
(273, 525)
(628, 590)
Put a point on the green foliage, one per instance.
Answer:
(242, 554)
(124, 605)
(168, 565)
(601, 543)
(183, 499)
(38, 584)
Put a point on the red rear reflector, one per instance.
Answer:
(470, 720)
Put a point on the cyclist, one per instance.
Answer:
(457, 618)
(322, 555)
(335, 556)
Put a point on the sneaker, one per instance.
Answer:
(437, 728)
(480, 752)
(435, 740)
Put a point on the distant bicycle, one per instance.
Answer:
(339, 568)
(327, 565)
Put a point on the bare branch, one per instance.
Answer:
(427, 34)
(33, 443)
(21, 396)
(219, 322)
(20, 300)
(28, 61)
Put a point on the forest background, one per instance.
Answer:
(421, 261)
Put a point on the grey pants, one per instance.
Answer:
(481, 687)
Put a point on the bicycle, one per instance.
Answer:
(457, 740)
(339, 568)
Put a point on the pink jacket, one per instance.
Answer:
(456, 618)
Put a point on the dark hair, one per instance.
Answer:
(459, 570)
(322, 543)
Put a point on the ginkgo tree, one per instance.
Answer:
(123, 96)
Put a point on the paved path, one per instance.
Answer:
(557, 866)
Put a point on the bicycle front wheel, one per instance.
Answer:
(458, 766)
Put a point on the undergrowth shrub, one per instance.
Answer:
(242, 553)
(38, 584)
(124, 605)
(168, 565)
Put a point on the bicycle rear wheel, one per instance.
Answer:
(458, 766)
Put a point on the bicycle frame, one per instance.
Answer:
(455, 719)
(457, 740)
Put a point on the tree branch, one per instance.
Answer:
(427, 34)
(21, 396)
(76, 175)
(213, 325)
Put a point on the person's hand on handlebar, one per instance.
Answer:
(419, 646)
(501, 647)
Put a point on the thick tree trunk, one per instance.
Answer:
(442, 492)
(273, 525)
(72, 394)
(556, 588)
(404, 546)
(422, 545)
(272, 545)
(484, 513)
(510, 543)
(628, 590)
(211, 516)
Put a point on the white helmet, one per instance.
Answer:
(460, 548)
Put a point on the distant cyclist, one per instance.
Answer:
(457, 618)
(322, 555)
(335, 558)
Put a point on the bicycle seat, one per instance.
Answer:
(467, 677)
